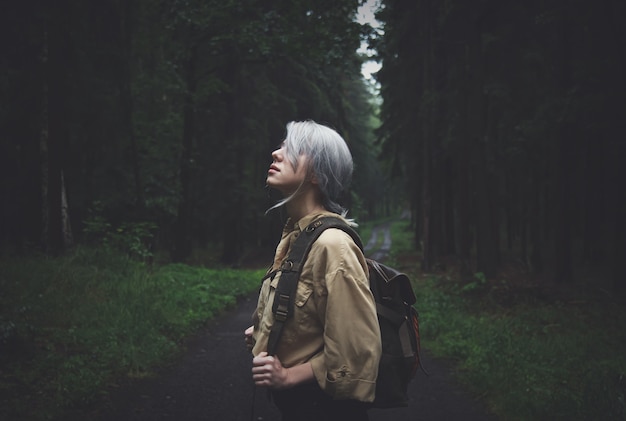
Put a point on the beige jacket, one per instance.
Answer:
(334, 326)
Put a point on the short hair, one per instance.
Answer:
(328, 159)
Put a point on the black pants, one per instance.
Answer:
(309, 403)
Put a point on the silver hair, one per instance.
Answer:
(328, 160)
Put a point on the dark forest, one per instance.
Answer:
(499, 124)
(135, 139)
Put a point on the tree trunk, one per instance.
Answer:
(43, 147)
(564, 167)
(66, 226)
(492, 182)
(486, 247)
(511, 217)
(426, 121)
(426, 204)
(462, 197)
(534, 222)
(619, 244)
(595, 215)
(523, 231)
(416, 216)
(233, 233)
(462, 205)
(448, 208)
(57, 73)
(182, 246)
(486, 255)
(126, 96)
(619, 240)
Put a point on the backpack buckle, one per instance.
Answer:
(282, 309)
(314, 225)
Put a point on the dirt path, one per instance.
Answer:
(212, 382)
(372, 249)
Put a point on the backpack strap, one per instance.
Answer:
(291, 268)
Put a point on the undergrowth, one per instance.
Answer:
(70, 326)
(534, 360)
(529, 356)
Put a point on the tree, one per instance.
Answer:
(515, 106)
(166, 112)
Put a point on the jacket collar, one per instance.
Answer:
(306, 221)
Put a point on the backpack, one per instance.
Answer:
(394, 297)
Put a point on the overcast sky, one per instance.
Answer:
(365, 14)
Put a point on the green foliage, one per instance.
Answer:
(479, 282)
(133, 238)
(72, 325)
(401, 234)
(533, 360)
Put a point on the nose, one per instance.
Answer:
(277, 154)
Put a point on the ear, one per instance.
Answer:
(314, 180)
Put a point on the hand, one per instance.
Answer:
(248, 338)
(268, 371)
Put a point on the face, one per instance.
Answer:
(281, 174)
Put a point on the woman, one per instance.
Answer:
(326, 361)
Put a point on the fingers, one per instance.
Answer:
(262, 369)
(266, 370)
(262, 359)
(248, 339)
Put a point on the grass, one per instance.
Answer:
(533, 360)
(528, 355)
(70, 326)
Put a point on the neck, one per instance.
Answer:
(305, 203)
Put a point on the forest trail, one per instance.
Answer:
(212, 381)
(379, 253)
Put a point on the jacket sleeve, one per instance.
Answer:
(348, 365)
